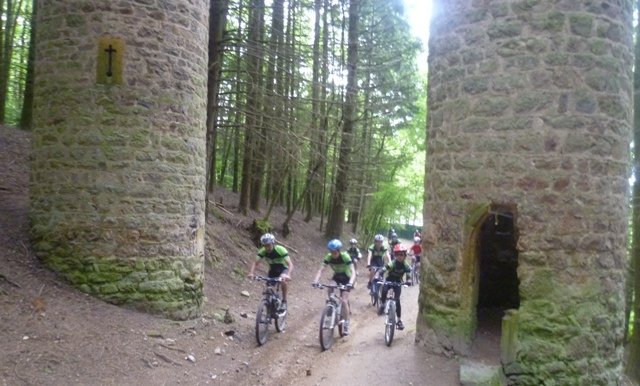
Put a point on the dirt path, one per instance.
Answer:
(52, 334)
(364, 359)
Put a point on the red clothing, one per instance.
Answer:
(416, 249)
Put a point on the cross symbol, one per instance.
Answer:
(110, 51)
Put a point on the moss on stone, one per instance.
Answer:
(581, 24)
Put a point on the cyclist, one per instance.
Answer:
(355, 254)
(395, 270)
(393, 241)
(377, 256)
(343, 274)
(416, 251)
(280, 264)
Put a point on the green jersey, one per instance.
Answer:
(395, 270)
(341, 264)
(377, 255)
(277, 256)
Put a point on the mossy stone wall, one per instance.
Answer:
(118, 171)
(530, 106)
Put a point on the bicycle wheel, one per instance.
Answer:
(416, 272)
(326, 327)
(281, 320)
(262, 322)
(374, 293)
(390, 324)
(339, 322)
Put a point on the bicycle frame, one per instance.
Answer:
(268, 309)
(390, 309)
(331, 314)
(271, 293)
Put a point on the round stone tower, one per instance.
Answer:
(118, 173)
(530, 110)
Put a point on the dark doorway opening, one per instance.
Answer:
(498, 263)
(498, 279)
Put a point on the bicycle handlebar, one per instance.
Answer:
(268, 279)
(337, 286)
(395, 283)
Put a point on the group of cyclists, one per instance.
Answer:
(381, 258)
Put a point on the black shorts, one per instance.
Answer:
(276, 270)
(341, 278)
(417, 257)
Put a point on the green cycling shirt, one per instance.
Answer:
(277, 256)
(395, 270)
(341, 264)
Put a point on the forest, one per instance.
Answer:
(318, 106)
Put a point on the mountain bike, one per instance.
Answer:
(415, 271)
(374, 291)
(390, 310)
(269, 309)
(331, 315)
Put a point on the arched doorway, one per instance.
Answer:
(498, 283)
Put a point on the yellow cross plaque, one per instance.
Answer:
(110, 54)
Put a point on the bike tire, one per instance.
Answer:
(281, 321)
(339, 322)
(374, 294)
(262, 323)
(326, 327)
(390, 323)
(416, 274)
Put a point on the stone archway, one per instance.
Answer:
(489, 281)
(497, 277)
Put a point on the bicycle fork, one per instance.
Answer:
(333, 312)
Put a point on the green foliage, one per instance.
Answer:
(18, 66)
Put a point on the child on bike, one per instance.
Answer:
(355, 254)
(393, 241)
(416, 251)
(377, 256)
(395, 270)
(280, 264)
(343, 274)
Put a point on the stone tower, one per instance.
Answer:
(527, 184)
(117, 190)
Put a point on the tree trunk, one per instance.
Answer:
(218, 10)
(4, 55)
(633, 363)
(336, 215)
(273, 159)
(252, 132)
(26, 116)
(237, 116)
(314, 126)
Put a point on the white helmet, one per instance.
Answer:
(353, 241)
(267, 238)
(378, 238)
(416, 239)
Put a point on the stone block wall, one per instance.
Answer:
(118, 171)
(530, 107)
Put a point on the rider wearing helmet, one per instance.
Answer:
(377, 256)
(343, 273)
(416, 250)
(355, 254)
(395, 270)
(280, 264)
(393, 241)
